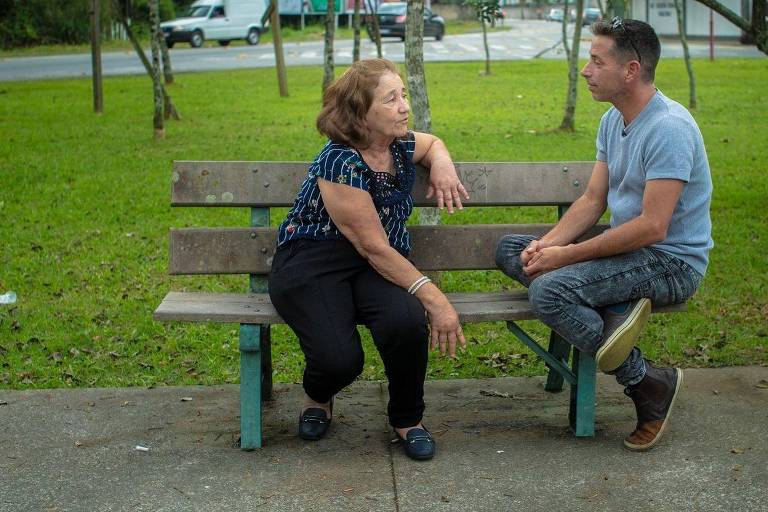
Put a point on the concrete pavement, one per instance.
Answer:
(503, 444)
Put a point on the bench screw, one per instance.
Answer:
(565, 168)
(263, 250)
(253, 235)
(255, 169)
(576, 183)
(266, 184)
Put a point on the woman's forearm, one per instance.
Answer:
(397, 269)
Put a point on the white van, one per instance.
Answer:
(220, 20)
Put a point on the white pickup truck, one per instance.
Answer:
(220, 20)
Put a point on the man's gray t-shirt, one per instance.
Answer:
(663, 142)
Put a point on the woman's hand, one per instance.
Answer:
(443, 179)
(444, 182)
(444, 323)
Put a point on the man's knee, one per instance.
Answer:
(508, 253)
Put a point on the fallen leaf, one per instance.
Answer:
(347, 489)
(762, 384)
(737, 467)
(78, 444)
(445, 499)
(186, 399)
(737, 450)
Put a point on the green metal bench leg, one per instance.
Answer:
(250, 385)
(561, 350)
(266, 362)
(582, 408)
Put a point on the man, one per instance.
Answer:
(653, 175)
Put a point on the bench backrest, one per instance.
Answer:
(261, 185)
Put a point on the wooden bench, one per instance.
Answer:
(249, 250)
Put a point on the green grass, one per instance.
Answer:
(84, 203)
(312, 32)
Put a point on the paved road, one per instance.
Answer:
(524, 40)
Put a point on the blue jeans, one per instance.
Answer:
(569, 299)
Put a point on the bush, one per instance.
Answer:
(35, 22)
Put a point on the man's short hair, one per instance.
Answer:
(347, 101)
(632, 39)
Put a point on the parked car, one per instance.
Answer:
(392, 22)
(220, 20)
(555, 14)
(591, 15)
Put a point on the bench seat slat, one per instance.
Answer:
(268, 184)
(250, 250)
(256, 308)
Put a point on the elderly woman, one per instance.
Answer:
(342, 254)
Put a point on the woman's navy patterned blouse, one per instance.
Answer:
(339, 163)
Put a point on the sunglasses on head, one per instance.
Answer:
(618, 24)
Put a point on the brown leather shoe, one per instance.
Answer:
(654, 397)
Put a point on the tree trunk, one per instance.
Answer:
(600, 6)
(167, 69)
(170, 109)
(485, 44)
(760, 25)
(573, 72)
(356, 31)
(154, 21)
(277, 41)
(565, 33)
(414, 64)
(757, 27)
(686, 55)
(98, 89)
(417, 88)
(330, 27)
(375, 26)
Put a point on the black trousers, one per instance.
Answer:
(323, 290)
